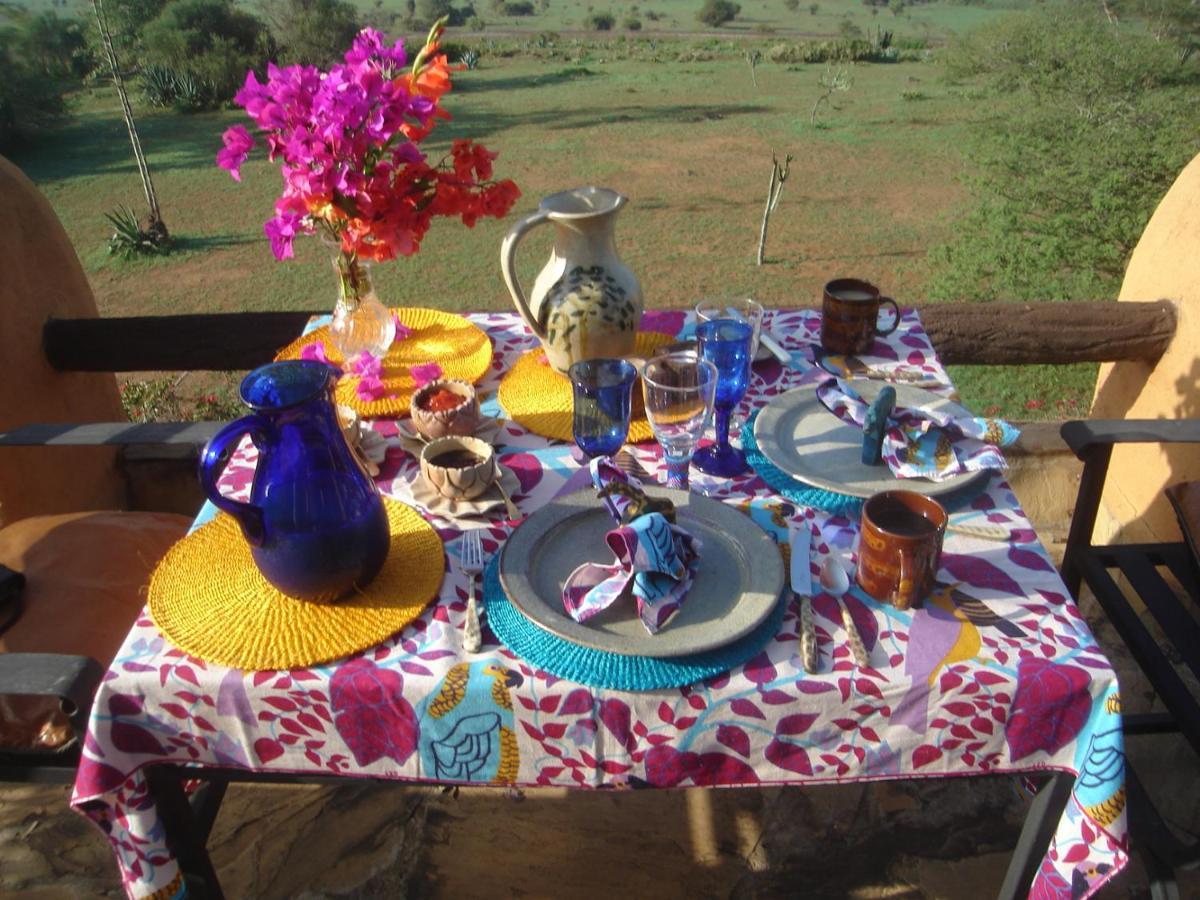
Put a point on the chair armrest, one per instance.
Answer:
(110, 433)
(72, 679)
(1084, 435)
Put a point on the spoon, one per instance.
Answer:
(835, 582)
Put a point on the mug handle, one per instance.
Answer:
(212, 463)
(895, 318)
(908, 573)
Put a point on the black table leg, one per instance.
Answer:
(1040, 823)
(188, 828)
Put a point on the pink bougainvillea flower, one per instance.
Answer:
(346, 140)
(369, 388)
(315, 351)
(367, 365)
(402, 331)
(282, 230)
(426, 372)
(238, 143)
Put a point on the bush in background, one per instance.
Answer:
(600, 21)
(38, 62)
(211, 41)
(1087, 128)
(715, 13)
(311, 32)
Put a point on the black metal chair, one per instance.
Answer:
(1123, 577)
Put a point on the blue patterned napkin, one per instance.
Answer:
(656, 561)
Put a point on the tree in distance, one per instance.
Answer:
(715, 13)
(311, 32)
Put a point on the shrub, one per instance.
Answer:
(1088, 128)
(210, 40)
(814, 8)
(600, 21)
(791, 5)
(130, 238)
(652, 15)
(311, 32)
(29, 101)
(715, 13)
(517, 8)
(632, 23)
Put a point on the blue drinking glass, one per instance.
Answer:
(726, 344)
(603, 396)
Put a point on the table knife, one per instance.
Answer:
(774, 347)
(800, 542)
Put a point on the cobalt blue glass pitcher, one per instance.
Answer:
(315, 521)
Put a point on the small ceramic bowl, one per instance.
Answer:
(459, 468)
(460, 420)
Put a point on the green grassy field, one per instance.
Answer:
(870, 191)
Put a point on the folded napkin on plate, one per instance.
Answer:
(922, 443)
(655, 559)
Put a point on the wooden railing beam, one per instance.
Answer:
(1013, 334)
(1002, 333)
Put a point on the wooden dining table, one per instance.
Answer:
(996, 674)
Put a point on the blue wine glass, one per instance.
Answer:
(726, 344)
(603, 396)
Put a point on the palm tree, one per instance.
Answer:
(154, 226)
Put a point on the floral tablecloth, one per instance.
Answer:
(997, 673)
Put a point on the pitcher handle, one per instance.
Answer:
(212, 463)
(508, 258)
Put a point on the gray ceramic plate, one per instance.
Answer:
(801, 437)
(739, 582)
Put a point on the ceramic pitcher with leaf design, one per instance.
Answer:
(585, 303)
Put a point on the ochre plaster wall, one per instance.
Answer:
(1165, 265)
(40, 276)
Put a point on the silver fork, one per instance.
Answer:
(472, 564)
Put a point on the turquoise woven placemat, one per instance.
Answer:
(831, 501)
(602, 669)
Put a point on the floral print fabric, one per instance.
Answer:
(998, 672)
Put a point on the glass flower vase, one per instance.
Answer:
(360, 321)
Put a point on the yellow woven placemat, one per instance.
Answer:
(210, 600)
(461, 348)
(538, 397)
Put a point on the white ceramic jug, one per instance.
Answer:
(585, 302)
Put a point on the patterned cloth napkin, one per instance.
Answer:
(922, 443)
(655, 560)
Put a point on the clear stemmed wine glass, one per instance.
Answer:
(602, 392)
(679, 389)
(726, 344)
(742, 309)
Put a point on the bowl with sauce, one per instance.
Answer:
(443, 408)
(459, 468)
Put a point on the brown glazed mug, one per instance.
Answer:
(850, 316)
(900, 547)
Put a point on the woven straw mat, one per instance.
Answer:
(454, 343)
(210, 600)
(540, 398)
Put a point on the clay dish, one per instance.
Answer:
(459, 468)
(460, 420)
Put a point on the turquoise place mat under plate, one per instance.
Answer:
(830, 501)
(602, 669)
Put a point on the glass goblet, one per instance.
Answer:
(603, 393)
(742, 309)
(726, 344)
(679, 389)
